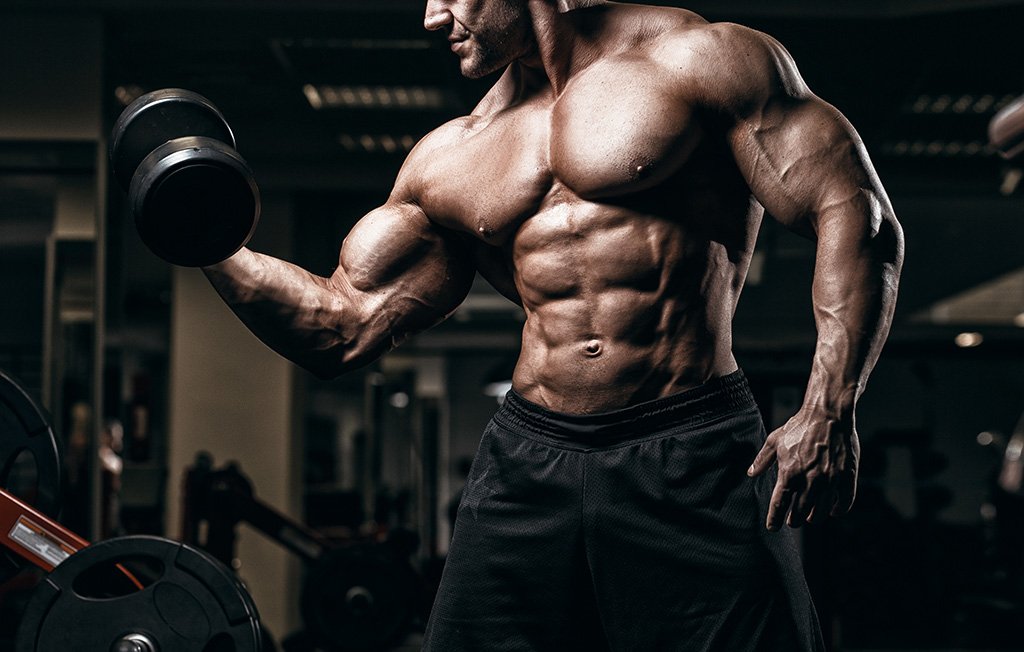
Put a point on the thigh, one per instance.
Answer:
(513, 573)
(679, 552)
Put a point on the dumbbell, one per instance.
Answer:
(193, 197)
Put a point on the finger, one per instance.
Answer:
(803, 504)
(824, 505)
(778, 507)
(846, 493)
(764, 460)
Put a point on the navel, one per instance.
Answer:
(593, 348)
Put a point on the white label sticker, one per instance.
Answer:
(39, 542)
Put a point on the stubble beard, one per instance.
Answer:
(493, 50)
(487, 57)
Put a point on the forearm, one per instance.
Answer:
(859, 258)
(303, 317)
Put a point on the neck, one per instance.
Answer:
(564, 45)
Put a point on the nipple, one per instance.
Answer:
(643, 170)
(593, 348)
(484, 231)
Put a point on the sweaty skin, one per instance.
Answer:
(612, 182)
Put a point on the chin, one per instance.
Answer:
(471, 71)
(476, 68)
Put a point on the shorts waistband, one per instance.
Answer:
(692, 408)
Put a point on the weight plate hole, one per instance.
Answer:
(113, 579)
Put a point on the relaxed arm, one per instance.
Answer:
(807, 166)
(829, 192)
(397, 274)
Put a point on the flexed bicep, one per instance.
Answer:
(405, 273)
(397, 274)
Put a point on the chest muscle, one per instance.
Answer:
(618, 129)
(615, 130)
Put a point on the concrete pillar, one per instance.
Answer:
(232, 396)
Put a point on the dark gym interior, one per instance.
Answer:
(174, 421)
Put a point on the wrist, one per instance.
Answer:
(833, 400)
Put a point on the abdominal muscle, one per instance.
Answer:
(621, 307)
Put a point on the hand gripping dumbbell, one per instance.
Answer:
(193, 197)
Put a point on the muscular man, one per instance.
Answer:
(612, 182)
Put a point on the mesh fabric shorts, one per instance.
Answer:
(636, 529)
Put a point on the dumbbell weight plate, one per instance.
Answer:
(157, 117)
(24, 428)
(195, 201)
(194, 604)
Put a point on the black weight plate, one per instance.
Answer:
(24, 427)
(359, 599)
(157, 117)
(195, 201)
(195, 604)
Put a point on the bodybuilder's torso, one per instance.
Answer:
(616, 215)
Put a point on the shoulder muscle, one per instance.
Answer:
(408, 186)
(731, 69)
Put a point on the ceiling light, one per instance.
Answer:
(935, 148)
(941, 104)
(958, 104)
(399, 400)
(377, 142)
(498, 388)
(984, 104)
(969, 340)
(374, 97)
(963, 104)
(128, 93)
(358, 44)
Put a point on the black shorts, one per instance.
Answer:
(636, 529)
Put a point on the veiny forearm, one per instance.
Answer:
(859, 258)
(304, 317)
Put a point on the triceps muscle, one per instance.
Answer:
(801, 156)
(812, 173)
